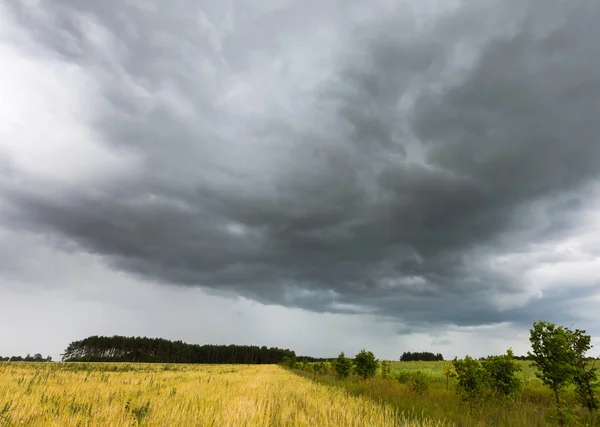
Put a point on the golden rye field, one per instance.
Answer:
(103, 394)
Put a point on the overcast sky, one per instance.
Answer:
(320, 175)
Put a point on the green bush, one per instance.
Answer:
(342, 366)
(502, 373)
(403, 377)
(386, 370)
(473, 381)
(418, 383)
(365, 364)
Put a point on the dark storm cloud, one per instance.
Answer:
(383, 181)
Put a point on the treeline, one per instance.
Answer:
(159, 350)
(35, 358)
(421, 356)
(310, 359)
(514, 357)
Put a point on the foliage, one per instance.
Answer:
(423, 356)
(585, 377)
(365, 364)
(472, 380)
(158, 350)
(559, 354)
(342, 366)
(552, 354)
(386, 370)
(448, 373)
(403, 377)
(418, 383)
(307, 367)
(35, 358)
(586, 386)
(323, 368)
(555, 358)
(502, 373)
(290, 362)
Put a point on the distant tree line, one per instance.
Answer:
(142, 349)
(310, 359)
(514, 357)
(35, 358)
(420, 356)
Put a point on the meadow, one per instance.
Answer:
(122, 394)
(533, 406)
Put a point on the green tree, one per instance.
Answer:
(502, 373)
(365, 364)
(554, 357)
(342, 366)
(585, 377)
(472, 380)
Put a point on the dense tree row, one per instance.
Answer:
(421, 356)
(35, 358)
(310, 359)
(138, 349)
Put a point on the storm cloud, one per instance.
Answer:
(425, 162)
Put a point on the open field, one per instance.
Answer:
(532, 406)
(119, 394)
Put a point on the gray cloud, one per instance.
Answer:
(374, 165)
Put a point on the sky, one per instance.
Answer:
(319, 175)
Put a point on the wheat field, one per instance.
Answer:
(96, 394)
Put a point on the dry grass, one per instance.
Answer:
(70, 394)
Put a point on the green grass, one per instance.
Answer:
(435, 371)
(533, 406)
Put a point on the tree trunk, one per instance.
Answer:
(561, 421)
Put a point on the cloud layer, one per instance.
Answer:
(430, 163)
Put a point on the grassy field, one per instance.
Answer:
(532, 406)
(435, 371)
(95, 394)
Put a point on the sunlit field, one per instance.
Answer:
(90, 394)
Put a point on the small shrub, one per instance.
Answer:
(472, 381)
(290, 362)
(449, 373)
(342, 366)
(418, 383)
(327, 368)
(403, 377)
(386, 370)
(502, 373)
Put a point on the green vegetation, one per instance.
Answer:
(386, 370)
(365, 364)
(559, 355)
(472, 381)
(498, 390)
(29, 358)
(343, 366)
(556, 385)
(502, 372)
(421, 356)
(158, 350)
